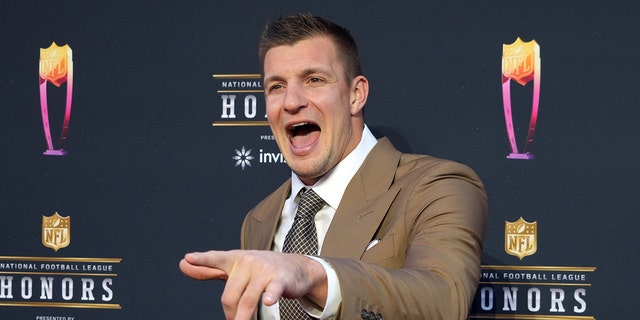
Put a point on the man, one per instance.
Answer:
(399, 236)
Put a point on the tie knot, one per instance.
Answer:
(310, 203)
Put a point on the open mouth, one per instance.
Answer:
(303, 134)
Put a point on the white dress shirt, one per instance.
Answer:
(330, 188)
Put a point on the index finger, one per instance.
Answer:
(204, 266)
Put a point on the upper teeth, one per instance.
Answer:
(299, 124)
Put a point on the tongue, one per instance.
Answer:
(305, 137)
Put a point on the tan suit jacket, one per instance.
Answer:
(429, 215)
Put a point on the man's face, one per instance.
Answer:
(314, 112)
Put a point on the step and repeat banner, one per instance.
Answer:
(133, 132)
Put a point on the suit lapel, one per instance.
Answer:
(364, 204)
(263, 222)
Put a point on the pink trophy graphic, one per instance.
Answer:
(520, 62)
(56, 66)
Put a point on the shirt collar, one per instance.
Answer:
(332, 185)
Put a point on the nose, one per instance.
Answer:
(294, 98)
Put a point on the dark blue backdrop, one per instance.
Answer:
(148, 177)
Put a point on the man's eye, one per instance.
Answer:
(275, 87)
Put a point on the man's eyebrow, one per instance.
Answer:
(310, 71)
(302, 74)
(273, 78)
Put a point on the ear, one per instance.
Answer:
(359, 94)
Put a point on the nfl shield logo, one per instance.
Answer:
(521, 238)
(54, 64)
(519, 60)
(56, 231)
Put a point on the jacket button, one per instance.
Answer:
(367, 315)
